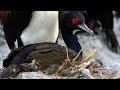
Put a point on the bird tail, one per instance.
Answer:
(11, 71)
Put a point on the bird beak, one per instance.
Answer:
(85, 28)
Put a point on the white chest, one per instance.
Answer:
(43, 27)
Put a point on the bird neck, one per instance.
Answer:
(70, 40)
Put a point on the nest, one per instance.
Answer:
(67, 65)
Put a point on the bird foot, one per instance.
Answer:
(68, 62)
(71, 62)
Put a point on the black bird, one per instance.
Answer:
(71, 22)
(106, 20)
(29, 27)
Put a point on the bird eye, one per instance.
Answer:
(75, 20)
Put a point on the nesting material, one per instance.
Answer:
(89, 69)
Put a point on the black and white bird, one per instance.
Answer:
(29, 27)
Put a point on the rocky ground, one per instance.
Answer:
(104, 64)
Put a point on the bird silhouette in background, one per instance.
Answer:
(106, 22)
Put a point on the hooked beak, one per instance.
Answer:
(85, 28)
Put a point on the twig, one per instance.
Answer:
(76, 57)
(89, 56)
(68, 59)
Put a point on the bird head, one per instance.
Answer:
(74, 21)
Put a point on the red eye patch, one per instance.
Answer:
(75, 20)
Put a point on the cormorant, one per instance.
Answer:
(29, 27)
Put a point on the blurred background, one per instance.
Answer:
(106, 26)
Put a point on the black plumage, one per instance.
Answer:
(14, 22)
(106, 20)
(29, 27)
